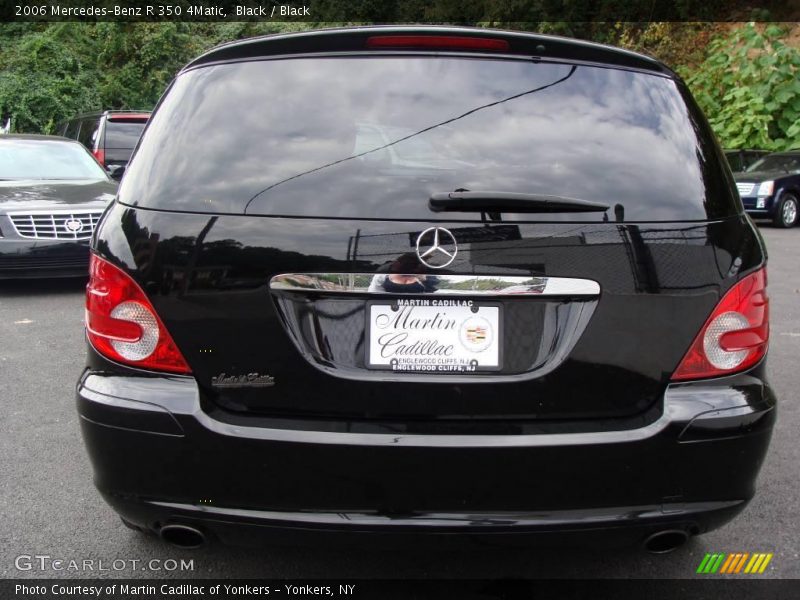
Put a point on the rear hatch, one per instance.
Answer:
(278, 214)
(122, 132)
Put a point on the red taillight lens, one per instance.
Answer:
(443, 42)
(735, 336)
(100, 155)
(122, 325)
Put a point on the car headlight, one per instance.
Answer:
(766, 188)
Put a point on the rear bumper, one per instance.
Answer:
(602, 527)
(159, 458)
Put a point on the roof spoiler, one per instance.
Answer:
(356, 39)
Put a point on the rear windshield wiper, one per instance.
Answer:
(497, 202)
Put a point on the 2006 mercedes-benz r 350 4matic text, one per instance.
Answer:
(426, 280)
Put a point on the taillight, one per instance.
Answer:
(443, 42)
(735, 336)
(122, 324)
(100, 155)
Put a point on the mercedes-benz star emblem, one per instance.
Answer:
(73, 225)
(436, 247)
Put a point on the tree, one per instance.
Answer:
(749, 87)
(44, 78)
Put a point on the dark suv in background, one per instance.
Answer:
(110, 135)
(770, 188)
(427, 281)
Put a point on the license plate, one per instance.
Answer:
(434, 336)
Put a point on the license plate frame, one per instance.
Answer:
(465, 338)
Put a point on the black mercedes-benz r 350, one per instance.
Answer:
(426, 281)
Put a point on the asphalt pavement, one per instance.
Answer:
(49, 506)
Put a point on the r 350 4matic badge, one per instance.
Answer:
(240, 381)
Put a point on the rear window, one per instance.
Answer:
(374, 137)
(123, 133)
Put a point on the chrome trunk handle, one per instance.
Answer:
(424, 284)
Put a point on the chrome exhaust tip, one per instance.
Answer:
(663, 542)
(182, 536)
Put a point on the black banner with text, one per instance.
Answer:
(490, 12)
(177, 589)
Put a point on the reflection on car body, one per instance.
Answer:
(402, 148)
(493, 285)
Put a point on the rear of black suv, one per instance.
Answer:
(109, 135)
(427, 280)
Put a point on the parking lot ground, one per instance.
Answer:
(50, 507)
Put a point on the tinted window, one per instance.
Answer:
(72, 129)
(375, 137)
(751, 157)
(88, 133)
(123, 134)
(735, 160)
(35, 159)
(790, 163)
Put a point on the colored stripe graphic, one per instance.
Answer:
(749, 567)
(764, 564)
(704, 563)
(733, 563)
(759, 562)
(711, 562)
(740, 564)
(754, 564)
(728, 562)
(717, 564)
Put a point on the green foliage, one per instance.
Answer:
(43, 79)
(749, 87)
(52, 71)
(136, 61)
